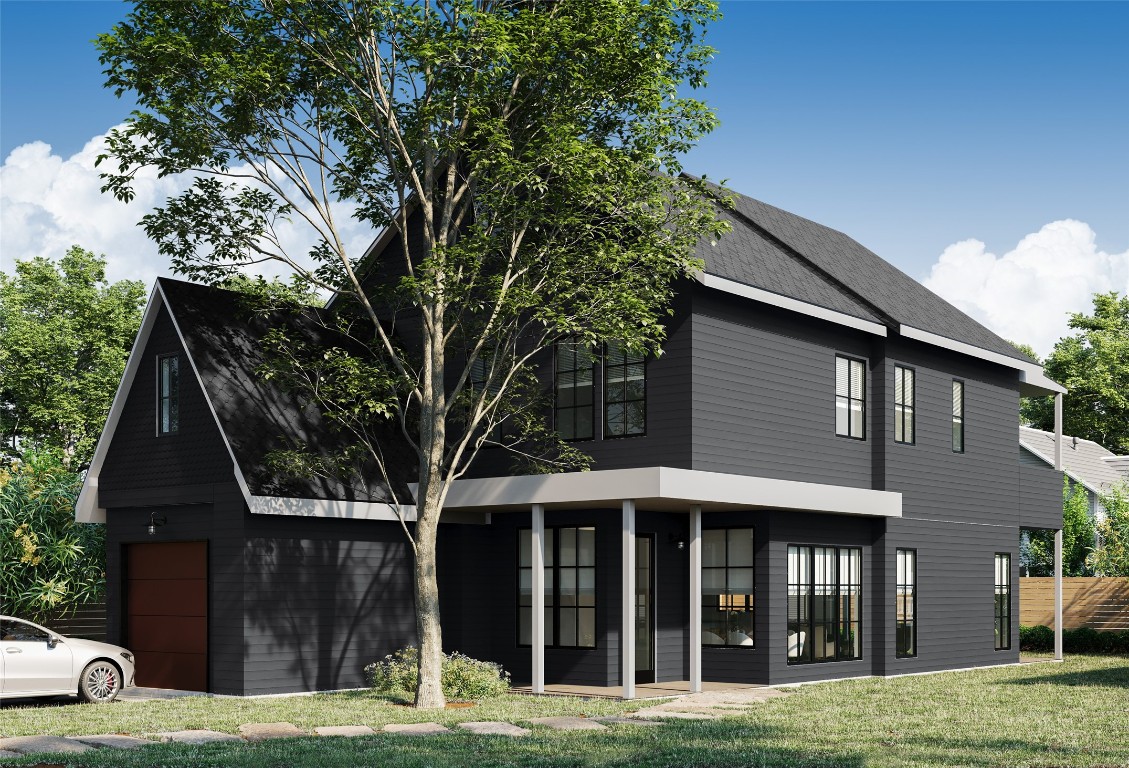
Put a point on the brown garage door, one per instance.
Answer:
(167, 614)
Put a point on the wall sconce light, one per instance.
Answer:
(155, 521)
(678, 541)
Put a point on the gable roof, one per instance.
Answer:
(1084, 461)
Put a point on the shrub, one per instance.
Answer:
(1038, 638)
(464, 678)
(1080, 640)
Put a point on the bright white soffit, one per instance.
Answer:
(668, 489)
(787, 302)
(346, 510)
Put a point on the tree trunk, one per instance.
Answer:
(429, 694)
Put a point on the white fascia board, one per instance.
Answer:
(1030, 374)
(86, 509)
(330, 508)
(672, 485)
(787, 302)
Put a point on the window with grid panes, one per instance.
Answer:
(906, 604)
(727, 587)
(570, 587)
(168, 395)
(1003, 601)
(479, 372)
(575, 391)
(850, 397)
(625, 392)
(824, 604)
(903, 404)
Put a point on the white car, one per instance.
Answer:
(34, 661)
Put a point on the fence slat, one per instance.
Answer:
(1098, 602)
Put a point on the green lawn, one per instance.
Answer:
(1070, 714)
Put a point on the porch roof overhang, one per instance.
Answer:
(665, 489)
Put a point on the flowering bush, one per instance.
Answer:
(464, 678)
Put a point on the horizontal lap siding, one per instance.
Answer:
(1040, 497)
(764, 393)
(323, 599)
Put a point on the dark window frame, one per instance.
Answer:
(573, 409)
(752, 609)
(173, 398)
(608, 402)
(908, 408)
(959, 418)
(850, 400)
(1001, 610)
(904, 629)
(556, 568)
(837, 620)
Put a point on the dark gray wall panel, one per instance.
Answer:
(323, 598)
(1040, 497)
(764, 393)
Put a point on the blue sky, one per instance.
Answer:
(915, 127)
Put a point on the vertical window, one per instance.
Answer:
(1003, 601)
(850, 397)
(479, 371)
(575, 391)
(903, 404)
(168, 394)
(906, 606)
(824, 604)
(570, 587)
(727, 587)
(625, 392)
(958, 416)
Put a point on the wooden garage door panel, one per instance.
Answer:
(161, 597)
(174, 634)
(184, 671)
(172, 560)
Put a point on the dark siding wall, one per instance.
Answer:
(323, 598)
(216, 519)
(137, 457)
(1040, 497)
(764, 393)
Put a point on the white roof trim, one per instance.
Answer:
(670, 488)
(87, 509)
(787, 302)
(346, 510)
(1030, 373)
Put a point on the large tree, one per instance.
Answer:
(1093, 365)
(527, 151)
(65, 334)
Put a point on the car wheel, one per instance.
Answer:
(100, 682)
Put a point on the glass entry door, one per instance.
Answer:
(644, 609)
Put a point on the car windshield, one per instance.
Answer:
(11, 630)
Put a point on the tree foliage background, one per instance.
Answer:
(1077, 537)
(1111, 557)
(65, 334)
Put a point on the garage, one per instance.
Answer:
(167, 613)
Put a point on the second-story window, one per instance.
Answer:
(479, 372)
(625, 392)
(958, 416)
(168, 394)
(850, 397)
(575, 391)
(903, 404)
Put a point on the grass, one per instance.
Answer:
(1070, 714)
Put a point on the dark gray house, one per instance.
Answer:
(819, 479)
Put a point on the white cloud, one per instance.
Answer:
(1027, 294)
(48, 204)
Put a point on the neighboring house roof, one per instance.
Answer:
(1084, 461)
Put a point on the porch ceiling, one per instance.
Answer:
(666, 489)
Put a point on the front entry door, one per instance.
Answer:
(644, 609)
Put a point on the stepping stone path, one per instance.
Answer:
(344, 730)
(626, 720)
(113, 741)
(264, 731)
(196, 736)
(710, 705)
(569, 723)
(7, 753)
(416, 729)
(24, 745)
(495, 729)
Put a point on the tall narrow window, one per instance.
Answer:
(570, 587)
(824, 604)
(168, 394)
(625, 392)
(906, 605)
(850, 397)
(575, 396)
(958, 416)
(727, 587)
(903, 404)
(1003, 601)
(479, 372)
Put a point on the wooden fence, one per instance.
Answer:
(88, 622)
(1098, 602)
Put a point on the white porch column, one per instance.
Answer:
(627, 634)
(538, 618)
(696, 598)
(1058, 533)
(1058, 595)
